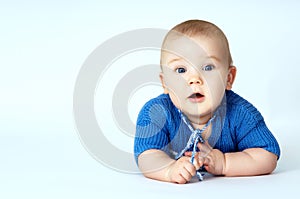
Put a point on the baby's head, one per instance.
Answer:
(196, 68)
(195, 29)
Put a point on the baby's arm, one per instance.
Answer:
(156, 164)
(250, 162)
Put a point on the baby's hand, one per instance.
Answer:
(181, 171)
(213, 160)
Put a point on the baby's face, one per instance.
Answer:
(195, 74)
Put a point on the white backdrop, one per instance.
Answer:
(43, 45)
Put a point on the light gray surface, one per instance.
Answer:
(59, 167)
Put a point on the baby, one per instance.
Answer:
(198, 123)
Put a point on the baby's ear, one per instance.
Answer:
(161, 77)
(230, 77)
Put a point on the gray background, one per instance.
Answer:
(43, 46)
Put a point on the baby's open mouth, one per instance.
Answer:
(196, 97)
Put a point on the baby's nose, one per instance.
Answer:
(195, 80)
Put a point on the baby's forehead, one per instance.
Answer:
(192, 49)
(169, 59)
(177, 40)
(182, 45)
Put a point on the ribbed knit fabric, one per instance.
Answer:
(159, 126)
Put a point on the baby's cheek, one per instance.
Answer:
(177, 85)
(178, 95)
(216, 87)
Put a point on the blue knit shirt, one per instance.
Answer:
(159, 126)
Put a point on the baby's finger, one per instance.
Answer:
(180, 179)
(187, 173)
(198, 162)
(204, 148)
(207, 161)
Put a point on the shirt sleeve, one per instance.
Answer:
(151, 128)
(252, 132)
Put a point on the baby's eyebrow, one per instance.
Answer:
(214, 57)
(174, 60)
(208, 57)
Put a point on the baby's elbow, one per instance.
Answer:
(264, 161)
(270, 163)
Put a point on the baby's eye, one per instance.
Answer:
(208, 68)
(180, 70)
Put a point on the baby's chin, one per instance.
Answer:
(196, 112)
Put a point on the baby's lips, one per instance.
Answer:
(196, 95)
